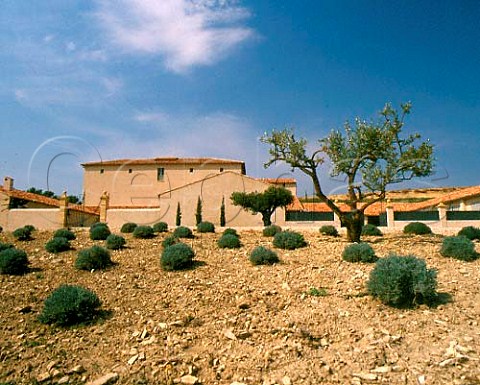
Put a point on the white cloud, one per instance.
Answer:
(151, 117)
(98, 55)
(112, 85)
(217, 134)
(70, 46)
(186, 33)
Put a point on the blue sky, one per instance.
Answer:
(102, 79)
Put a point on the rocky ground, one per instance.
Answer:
(228, 322)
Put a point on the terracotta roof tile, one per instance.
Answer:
(162, 160)
(37, 198)
(278, 180)
(19, 194)
(380, 207)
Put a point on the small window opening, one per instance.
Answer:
(191, 170)
(160, 173)
(129, 170)
(102, 171)
(221, 169)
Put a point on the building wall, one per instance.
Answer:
(211, 191)
(137, 185)
(43, 219)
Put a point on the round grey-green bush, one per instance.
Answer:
(403, 281)
(289, 240)
(459, 248)
(99, 232)
(57, 245)
(329, 230)
(270, 231)
(230, 231)
(206, 227)
(183, 232)
(128, 227)
(23, 233)
(160, 227)
(115, 242)
(371, 230)
(169, 241)
(177, 257)
(359, 252)
(5, 246)
(94, 258)
(260, 255)
(229, 241)
(70, 305)
(470, 232)
(143, 232)
(13, 261)
(417, 228)
(64, 233)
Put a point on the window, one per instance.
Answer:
(160, 173)
(191, 170)
(102, 171)
(454, 207)
(129, 170)
(221, 169)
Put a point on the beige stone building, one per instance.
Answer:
(138, 182)
(147, 191)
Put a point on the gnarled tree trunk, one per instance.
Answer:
(266, 219)
(353, 221)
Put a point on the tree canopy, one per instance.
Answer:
(265, 202)
(370, 155)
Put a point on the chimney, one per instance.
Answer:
(8, 183)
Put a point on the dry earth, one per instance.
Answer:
(227, 322)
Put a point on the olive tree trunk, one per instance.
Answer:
(353, 222)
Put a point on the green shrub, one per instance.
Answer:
(99, 232)
(94, 258)
(329, 230)
(128, 227)
(64, 233)
(229, 241)
(459, 248)
(57, 245)
(160, 227)
(231, 232)
(177, 257)
(5, 246)
(97, 224)
(417, 228)
(169, 241)
(30, 228)
(470, 232)
(143, 232)
(289, 240)
(402, 281)
(271, 230)
(262, 256)
(23, 234)
(206, 227)
(70, 305)
(13, 262)
(359, 252)
(372, 230)
(115, 242)
(314, 292)
(183, 232)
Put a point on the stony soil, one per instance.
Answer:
(227, 322)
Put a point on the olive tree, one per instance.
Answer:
(370, 155)
(265, 202)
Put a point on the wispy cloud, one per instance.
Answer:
(185, 33)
